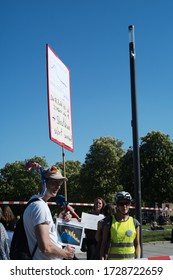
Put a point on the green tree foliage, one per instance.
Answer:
(106, 170)
(156, 152)
(16, 183)
(99, 173)
(156, 162)
(126, 172)
(72, 170)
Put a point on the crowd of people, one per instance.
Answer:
(117, 235)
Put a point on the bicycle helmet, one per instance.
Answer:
(123, 196)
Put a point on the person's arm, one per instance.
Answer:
(99, 231)
(48, 247)
(137, 244)
(105, 242)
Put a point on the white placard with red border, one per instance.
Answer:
(59, 101)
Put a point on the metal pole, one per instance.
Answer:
(136, 156)
(64, 173)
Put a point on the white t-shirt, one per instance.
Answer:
(37, 213)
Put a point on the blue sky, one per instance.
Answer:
(91, 38)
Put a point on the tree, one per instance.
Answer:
(16, 183)
(156, 152)
(72, 169)
(99, 173)
(126, 172)
(156, 163)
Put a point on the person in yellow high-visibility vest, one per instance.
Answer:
(121, 235)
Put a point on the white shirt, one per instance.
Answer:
(37, 213)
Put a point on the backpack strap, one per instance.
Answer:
(36, 245)
(33, 252)
(30, 201)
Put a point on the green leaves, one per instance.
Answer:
(107, 169)
(156, 161)
(99, 173)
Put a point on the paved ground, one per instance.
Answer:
(162, 248)
(151, 249)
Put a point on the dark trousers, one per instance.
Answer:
(91, 249)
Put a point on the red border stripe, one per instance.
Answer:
(160, 258)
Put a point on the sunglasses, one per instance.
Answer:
(127, 203)
(57, 183)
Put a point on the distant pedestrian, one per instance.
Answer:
(9, 221)
(155, 226)
(108, 211)
(4, 247)
(90, 234)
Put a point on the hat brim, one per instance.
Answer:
(54, 173)
(56, 177)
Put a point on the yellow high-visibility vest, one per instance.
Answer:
(122, 235)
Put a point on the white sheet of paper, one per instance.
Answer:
(90, 221)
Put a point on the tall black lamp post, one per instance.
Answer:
(136, 156)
